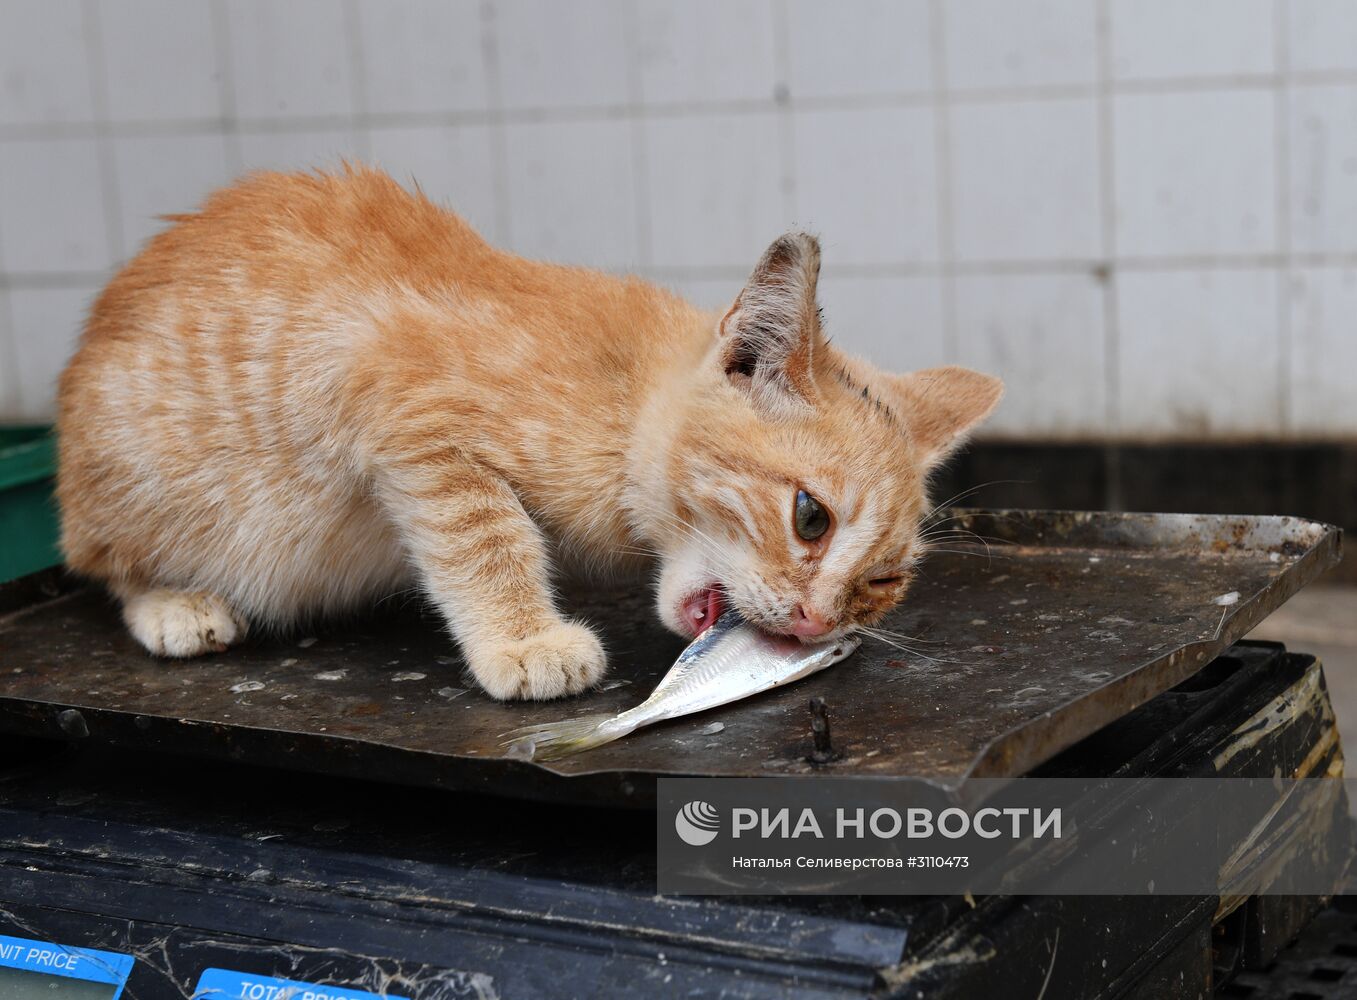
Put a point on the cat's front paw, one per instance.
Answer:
(181, 624)
(564, 659)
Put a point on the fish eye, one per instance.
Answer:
(810, 517)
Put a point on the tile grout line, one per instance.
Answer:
(636, 133)
(858, 102)
(10, 385)
(884, 271)
(358, 83)
(108, 168)
(2, 256)
(1107, 178)
(1054, 266)
(786, 121)
(226, 84)
(1282, 164)
(55, 279)
(942, 157)
(494, 120)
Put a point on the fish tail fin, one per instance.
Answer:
(552, 740)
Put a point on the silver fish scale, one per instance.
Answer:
(730, 661)
(734, 662)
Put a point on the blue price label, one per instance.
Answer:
(224, 984)
(66, 961)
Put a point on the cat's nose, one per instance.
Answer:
(808, 624)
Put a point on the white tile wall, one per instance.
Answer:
(709, 293)
(1044, 334)
(1000, 44)
(453, 164)
(1025, 180)
(571, 197)
(970, 165)
(48, 322)
(1323, 168)
(858, 48)
(1323, 305)
(705, 50)
(290, 59)
(44, 63)
(158, 174)
(706, 211)
(422, 56)
(1195, 173)
(1183, 336)
(1165, 39)
(310, 150)
(867, 181)
(894, 322)
(562, 55)
(51, 207)
(148, 44)
(1322, 35)
(10, 385)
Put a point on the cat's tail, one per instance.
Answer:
(553, 740)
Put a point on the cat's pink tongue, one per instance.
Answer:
(701, 610)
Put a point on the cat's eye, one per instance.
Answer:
(886, 582)
(810, 517)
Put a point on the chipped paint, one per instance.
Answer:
(1306, 696)
(960, 947)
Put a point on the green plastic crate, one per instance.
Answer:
(28, 510)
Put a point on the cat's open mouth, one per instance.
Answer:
(701, 608)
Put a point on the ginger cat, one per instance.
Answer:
(321, 389)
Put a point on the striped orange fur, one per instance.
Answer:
(321, 389)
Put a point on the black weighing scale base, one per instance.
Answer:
(184, 866)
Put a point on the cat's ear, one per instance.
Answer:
(941, 405)
(768, 338)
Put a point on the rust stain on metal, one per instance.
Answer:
(822, 747)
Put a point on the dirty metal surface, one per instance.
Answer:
(1067, 622)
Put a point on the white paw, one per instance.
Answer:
(180, 624)
(564, 659)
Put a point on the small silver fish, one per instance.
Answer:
(729, 661)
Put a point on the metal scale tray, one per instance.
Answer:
(1064, 623)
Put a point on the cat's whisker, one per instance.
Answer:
(395, 595)
(667, 517)
(966, 552)
(702, 540)
(706, 542)
(974, 489)
(964, 533)
(942, 529)
(876, 629)
(962, 494)
(893, 643)
(903, 647)
(631, 550)
(930, 543)
(954, 539)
